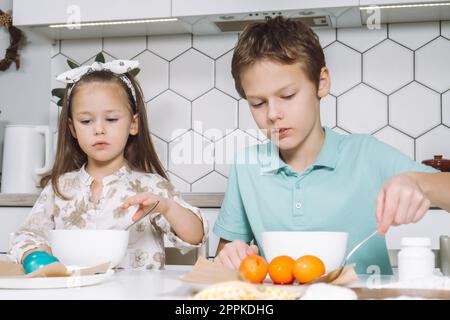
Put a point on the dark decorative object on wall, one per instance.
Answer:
(15, 42)
(59, 92)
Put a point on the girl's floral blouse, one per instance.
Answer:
(146, 244)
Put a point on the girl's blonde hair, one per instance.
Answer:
(139, 150)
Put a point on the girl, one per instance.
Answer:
(105, 166)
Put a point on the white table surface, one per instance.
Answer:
(123, 284)
(134, 284)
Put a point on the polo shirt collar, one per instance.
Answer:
(328, 155)
(269, 158)
(271, 162)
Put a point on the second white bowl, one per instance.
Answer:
(330, 247)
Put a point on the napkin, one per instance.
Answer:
(347, 277)
(56, 269)
(206, 272)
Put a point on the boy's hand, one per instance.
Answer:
(234, 252)
(146, 200)
(400, 201)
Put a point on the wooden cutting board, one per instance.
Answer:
(365, 293)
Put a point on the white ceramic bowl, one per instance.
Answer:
(330, 247)
(88, 248)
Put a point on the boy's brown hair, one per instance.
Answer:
(140, 153)
(284, 40)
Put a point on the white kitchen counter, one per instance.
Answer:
(123, 284)
(165, 285)
(129, 284)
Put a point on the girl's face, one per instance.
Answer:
(283, 101)
(102, 121)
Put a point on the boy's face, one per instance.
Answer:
(283, 101)
(101, 120)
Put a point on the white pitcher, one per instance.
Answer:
(27, 154)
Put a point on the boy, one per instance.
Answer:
(309, 178)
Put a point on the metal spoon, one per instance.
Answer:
(333, 275)
(143, 216)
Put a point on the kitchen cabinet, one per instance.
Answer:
(46, 12)
(404, 14)
(39, 15)
(213, 240)
(202, 16)
(11, 218)
(392, 2)
(434, 224)
(209, 250)
(182, 8)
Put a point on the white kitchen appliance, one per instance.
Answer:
(27, 154)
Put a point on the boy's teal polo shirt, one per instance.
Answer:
(336, 193)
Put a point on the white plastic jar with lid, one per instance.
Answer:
(415, 259)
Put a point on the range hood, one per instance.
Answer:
(104, 18)
(315, 18)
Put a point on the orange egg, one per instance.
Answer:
(254, 268)
(308, 268)
(280, 270)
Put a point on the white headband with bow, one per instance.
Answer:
(119, 67)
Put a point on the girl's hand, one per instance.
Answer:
(43, 248)
(36, 260)
(401, 200)
(146, 200)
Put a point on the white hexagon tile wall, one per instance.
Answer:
(393, 83)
